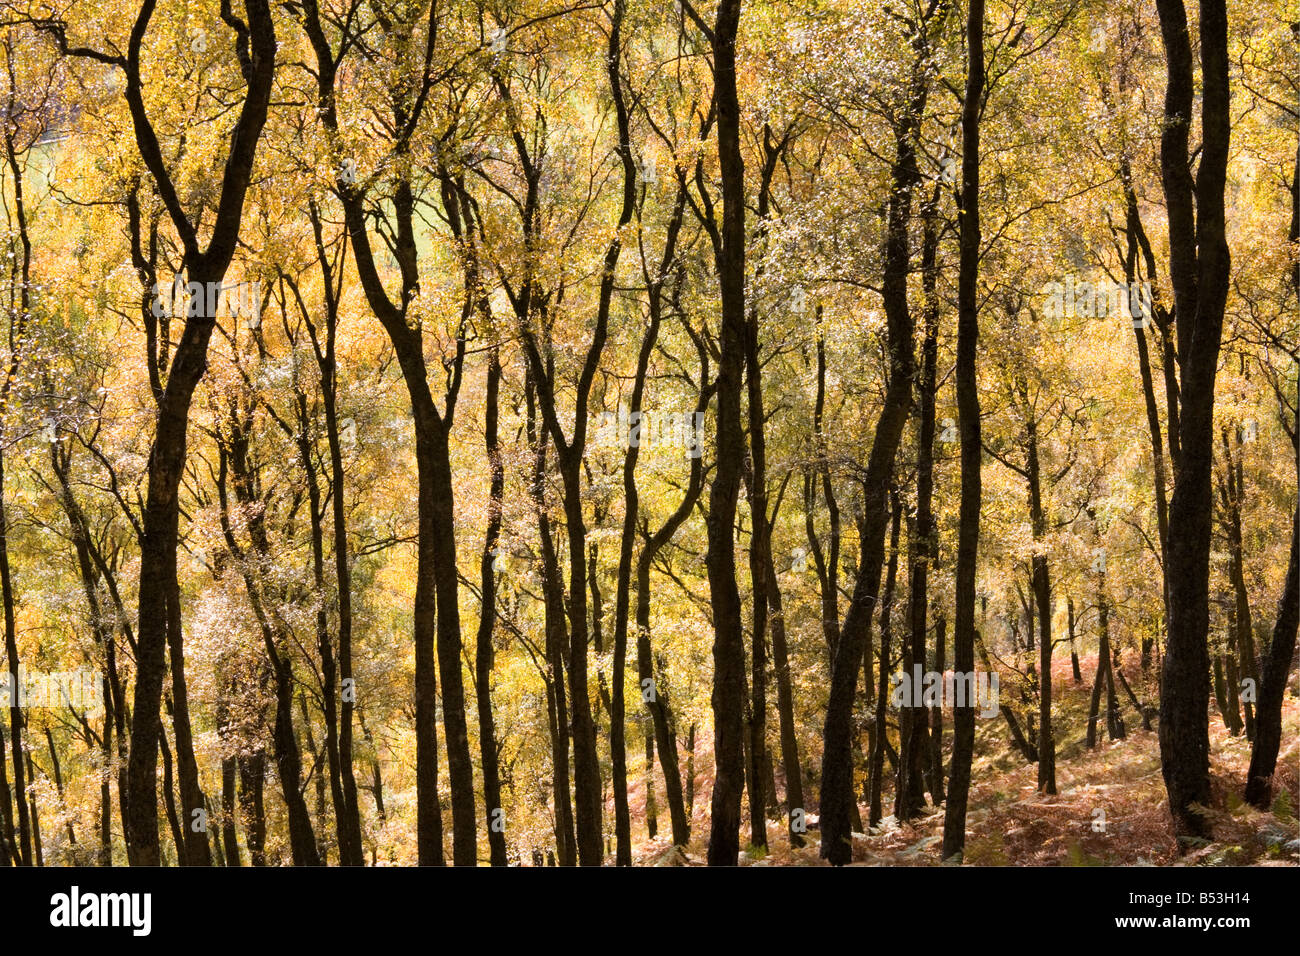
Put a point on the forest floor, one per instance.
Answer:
(1110, 809)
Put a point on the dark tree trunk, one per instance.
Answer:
(1136, 241)
(1268, 729)
(10, 850)
(627, 545)
(1105, 677)
(234, 460)
(762, 581)
(794, 797)
(90, 567)
(556, 642)
(654, 690)
(828, 563)
(169, 797)
(349, 852)
(436, 617)
(934, 772)
(228, 836)
(37, 845)
(1199, 269)
(968, 411)
(651, 801)
(158, 585)
(314, 759)
(1242, 629)
(837, 799)
(347, 811)
(1042, 588)
(914, 738)
(1272, 685)
(728, 698)
(690, 770)
(483, 652)
(880, 738)
(58, 785)
(252, 783)
(23, 835)
(1074, 650)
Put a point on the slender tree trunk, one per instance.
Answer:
(1074, 650)
(1243, 650)
(654, 690)
(729, 641)
(827, 564)
(651, 802)
(483, 652)
(1042, 593)
(935, 759)
(10, 850)
(1268, 729)
(914, 742)
(169, 797)
(556, 643)
(16, 723)
(968, 411)
(35, 811)
(881, 736)
(794, 797)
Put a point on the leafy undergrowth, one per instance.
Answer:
(1110, 808)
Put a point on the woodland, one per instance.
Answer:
(649, 432)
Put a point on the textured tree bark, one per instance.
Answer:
(1199, 269)
(252, 783)
(728, 697)
(968, 411)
